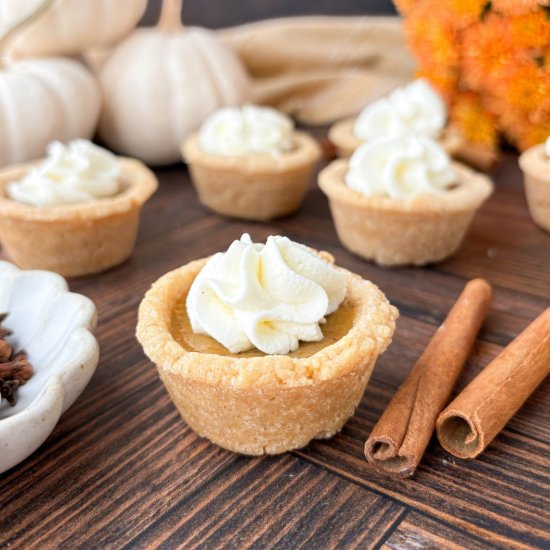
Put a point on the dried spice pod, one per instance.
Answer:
(15, 368)
(7, 390)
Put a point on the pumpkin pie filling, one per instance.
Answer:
(337, 325)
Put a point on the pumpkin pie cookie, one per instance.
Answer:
(415, 108)
(535, 164)
(250, 163)
(265, 358)
(401, 201)
(76, 213)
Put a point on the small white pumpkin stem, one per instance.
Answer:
(24, 21)
(170, 16)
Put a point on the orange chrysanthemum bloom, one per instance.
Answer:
(522, 133)
(514, 7)
(475, 122)
(490, 61)
(461, 12)
(433, 40)
(530, 30)
(445, 82)
(524, 86)
(486, 50)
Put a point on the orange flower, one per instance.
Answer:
(489, 60)
(522, 133)
(529, 30)
(514, 7)
(486, 50)
(475, 122)
(523, 86)
(445, 82)
(432, 39)
(462, 12)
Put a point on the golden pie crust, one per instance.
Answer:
(77, 239)
(253, 187)
(418, 230)
(345, 141)
(536, 171)
(253, 403)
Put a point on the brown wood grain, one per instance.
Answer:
(122, 468)
(417, 531)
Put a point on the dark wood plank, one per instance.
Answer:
(418, 531)
(273, 503)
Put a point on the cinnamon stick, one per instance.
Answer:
(403, 432)
(483, 408)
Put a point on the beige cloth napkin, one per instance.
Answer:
(320, 69)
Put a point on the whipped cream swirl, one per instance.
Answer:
(399, 167)
(547, 147)
(415, 108)
(235, 131)
(267, 297)
(74, 173)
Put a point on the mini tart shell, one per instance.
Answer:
(418, 230)
(76, 239)
(273, 403)
(536, 171)
(342, 136)
(253, 187)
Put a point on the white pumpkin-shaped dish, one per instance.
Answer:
(54, 327)
(160, 83)
(42, 100)
(71, 26)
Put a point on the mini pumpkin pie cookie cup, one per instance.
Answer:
(342, 136)
(414, 230)
(253, 186)
(253, 403)
(535, 165)
(75, 239)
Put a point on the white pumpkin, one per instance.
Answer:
(43, 100)
(160, 84)
(71, 26)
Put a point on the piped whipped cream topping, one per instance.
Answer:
(267, 297)
(547, 147)
(415, 108)
(400, 166)
(236, 131)
(74, 173)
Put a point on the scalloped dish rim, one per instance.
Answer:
(55, 396)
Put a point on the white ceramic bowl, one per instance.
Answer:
(54, 327)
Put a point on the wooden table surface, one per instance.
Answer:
(123, 469)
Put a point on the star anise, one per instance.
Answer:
(6, 350)
(15, 369)
(7, 390)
